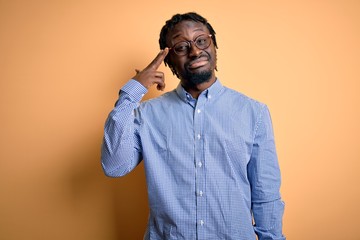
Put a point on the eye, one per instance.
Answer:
(201, 41)
(181, 47)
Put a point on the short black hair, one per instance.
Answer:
(171, 23)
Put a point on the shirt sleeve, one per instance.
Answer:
(121, 148)
(265, 180)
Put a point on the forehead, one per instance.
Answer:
(186, 29)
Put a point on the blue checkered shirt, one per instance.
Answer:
(210, 163)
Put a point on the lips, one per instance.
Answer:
(199, 62)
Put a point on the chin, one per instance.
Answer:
(196, 78)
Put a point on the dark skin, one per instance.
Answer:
(150, 75)
(196, 61)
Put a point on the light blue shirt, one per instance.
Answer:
(211, 166)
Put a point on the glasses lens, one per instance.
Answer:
(201, 42)
(181, 48)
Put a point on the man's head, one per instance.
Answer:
(192, 43)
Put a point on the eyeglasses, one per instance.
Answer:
(183, 48)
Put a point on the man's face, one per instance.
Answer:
(198, 65)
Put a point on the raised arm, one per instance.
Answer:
(121, 149)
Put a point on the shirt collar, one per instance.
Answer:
(209, 93)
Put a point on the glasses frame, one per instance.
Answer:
(189, 42)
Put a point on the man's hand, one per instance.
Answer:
(149, 75)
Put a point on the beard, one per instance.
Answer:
(198, 77)
(201, 76)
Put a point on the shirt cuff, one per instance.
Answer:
(134, 89)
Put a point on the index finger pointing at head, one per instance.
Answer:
(155, 64)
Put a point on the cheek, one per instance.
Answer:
(215, 57)
(178, 63)
(214, 53)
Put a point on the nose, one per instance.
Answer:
(194, 50)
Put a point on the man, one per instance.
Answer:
(209, 153)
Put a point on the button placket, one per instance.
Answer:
(199, 164)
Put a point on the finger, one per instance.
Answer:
(161, 87)
(157, 79)
(155, 64)
(159, 75)
(160, 84)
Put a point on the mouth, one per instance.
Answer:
(198, 63)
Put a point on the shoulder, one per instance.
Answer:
(239, 101)
(160, 102)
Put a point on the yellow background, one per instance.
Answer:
(63, 62)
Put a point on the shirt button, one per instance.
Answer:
(199, 164)
(198, 111)
(198, 136)
(201, 222)
(209, 96)
(201, 193)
